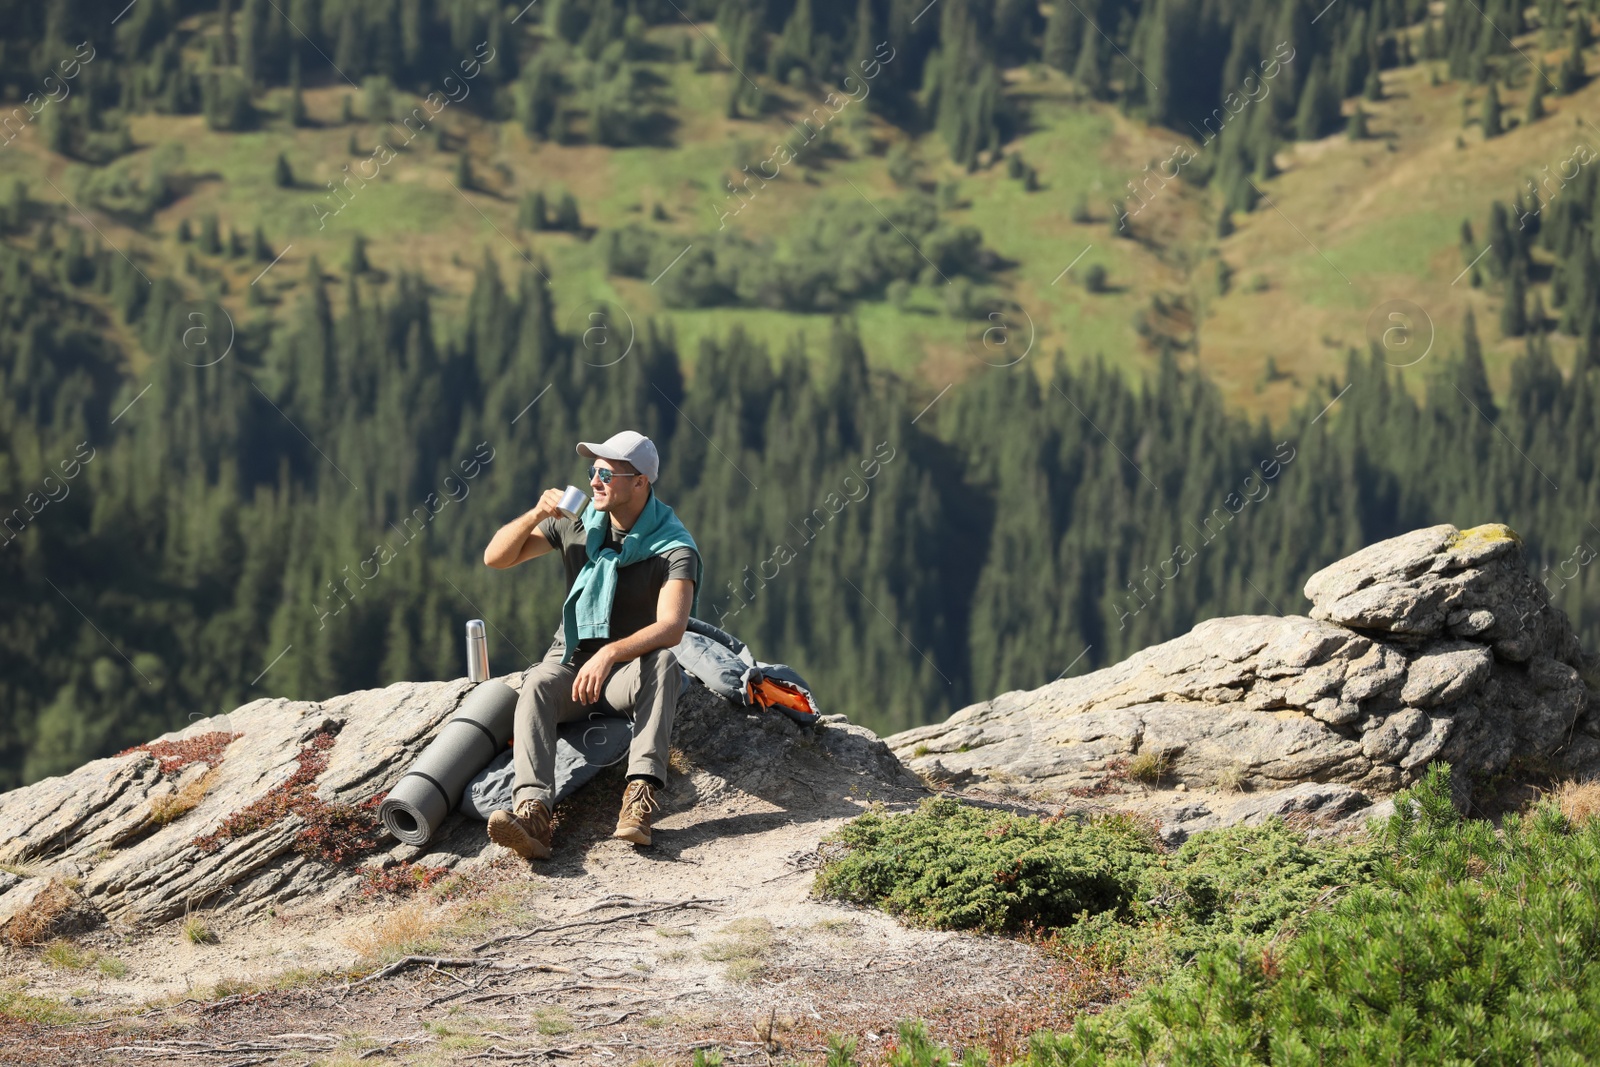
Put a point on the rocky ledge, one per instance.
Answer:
(274, 804)
(1435, 645)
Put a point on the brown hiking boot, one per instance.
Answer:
(638, 801)
(527, 833)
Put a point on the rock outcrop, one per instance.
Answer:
(1436, 645)
(275, 802)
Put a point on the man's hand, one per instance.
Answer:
(549, 505)
(591, 679)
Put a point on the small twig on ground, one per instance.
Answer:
(451, 975)
(454, 993)
(495, 1052)
(466, 961)
(693, 902)
(508, 994)
(418, 1036)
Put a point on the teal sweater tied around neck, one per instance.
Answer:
(586, 612)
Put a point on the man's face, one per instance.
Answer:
(626, 483)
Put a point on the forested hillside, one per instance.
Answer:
(300, 302)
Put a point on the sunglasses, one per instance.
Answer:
(605, 475)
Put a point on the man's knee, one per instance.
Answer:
(663, 666)
(540, 685)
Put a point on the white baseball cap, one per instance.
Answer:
(629, 446)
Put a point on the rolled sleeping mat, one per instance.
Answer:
(467, 743)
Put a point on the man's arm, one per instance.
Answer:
(519, 539)
(672, 619)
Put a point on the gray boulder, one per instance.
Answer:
(1436, 645)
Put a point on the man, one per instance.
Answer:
(633, 579)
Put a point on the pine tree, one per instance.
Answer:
(1491, 113)
(532, 214)
(795, 46)
(463, 177)
(1058, 50)
(1498, 237)
(282, 175)
(1513, 313)
(1536, 95)
(297, 104)
(1470, 376)
(210, 235)
(259, 249)
(1087, 72)
(1357, 129)
(225, 30)
(1120, 226)
(566, 214)
(1319, 105)
(1573, 75)
(356, 263)
(867, 37)
(347, 50)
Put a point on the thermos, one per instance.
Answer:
(477, 652)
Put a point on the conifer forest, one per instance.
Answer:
(983, 342)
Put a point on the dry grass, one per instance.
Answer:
(485, 912)
(1579, 801)
(67, 955)
(1149, 767)
(164, 809)
(409, 930)
(552, 1020)
(38, 922)
(198, 931)
(743, 946)
(1232, 779)
(458, 1031)
(20, 870)
(20, 1006)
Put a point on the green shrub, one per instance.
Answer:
(953, 866)
(1465, 946)
(1104, 885)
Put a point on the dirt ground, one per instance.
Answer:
(603, 954)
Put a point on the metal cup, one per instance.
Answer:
(572, 502)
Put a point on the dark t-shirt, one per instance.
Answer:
(638, 584)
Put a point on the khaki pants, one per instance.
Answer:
(645, 689)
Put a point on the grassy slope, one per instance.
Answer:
(1354, 224)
